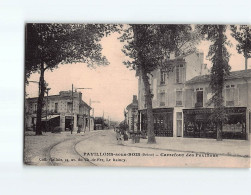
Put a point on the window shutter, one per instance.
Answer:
(183, 97)
(166, 98)
(205, 97)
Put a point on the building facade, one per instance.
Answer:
(132, 115)
(181, 101)
(237, 96)
(63, 109)
(168, 89)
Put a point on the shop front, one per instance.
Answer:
(163, 122)
(197, 123)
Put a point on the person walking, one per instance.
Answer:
(71, 127)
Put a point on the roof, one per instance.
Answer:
(85, 104)
(134, 104)
(233, 75)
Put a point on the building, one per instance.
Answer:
(237, 96)
(60, 110)
(168, 89)
(132, 115)
(99, 123)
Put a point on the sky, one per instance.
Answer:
(113, 85)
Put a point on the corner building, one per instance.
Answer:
(60, 112)
(168, 89)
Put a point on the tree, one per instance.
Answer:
(48, 45)
(148, 47)
(242, 34)
(219, 57)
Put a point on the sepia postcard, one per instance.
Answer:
(137, 95)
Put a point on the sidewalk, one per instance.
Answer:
(239, 148)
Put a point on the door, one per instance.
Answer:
(179, 124)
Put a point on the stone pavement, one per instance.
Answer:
(238, 148)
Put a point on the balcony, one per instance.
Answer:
(198, 104)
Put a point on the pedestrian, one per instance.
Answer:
(71, 127)
(119, 137)
(79, 128)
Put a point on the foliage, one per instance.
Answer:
(242, 34)
(48, 45)
(64, 43)
(219, 57)
(155, 42)
(123, 126)
(148, 47)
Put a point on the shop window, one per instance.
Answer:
(230, 93)
(179, 73)
(179, 97)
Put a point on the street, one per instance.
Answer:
(100, 148)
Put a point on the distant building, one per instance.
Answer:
(60, 109)
(99, 123)
(132, 115)
(168, 89)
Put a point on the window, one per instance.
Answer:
(162, 77)
(179, 97)
(56, 107)
(69, 106)
(162, 99)
(230, 92)
(179, 73)
(199, 97)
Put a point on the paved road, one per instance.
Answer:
(101, 149)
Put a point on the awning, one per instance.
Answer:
(49, 117)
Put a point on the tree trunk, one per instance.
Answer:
(246, 62)
(221, 76)
(219, 131)
(149, 111)
(40, 101)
